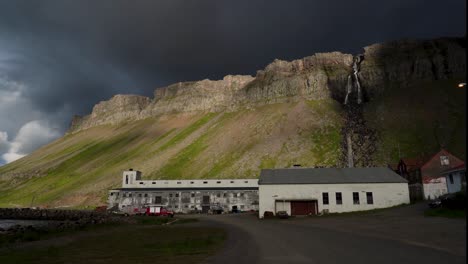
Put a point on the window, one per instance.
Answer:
(232, 181)
(191, 182)
(153, 182)
(325, 198)
(451, 178)
(192, 206)
(246, 181)
(112, 194)
(117, 194)
(146, 195)
(124, 195)
(126, 179)
(339, 199)
(205, 182)
(170, 195)
(444, 160)
(355, 197)
(141, 183)
(218, 182)
(218, 195)
(242, 206)
(129, 195)
(157, 200)
(176, 206)
(370, 198)
(177, 195)
(241, 194)
(179, 182)
(192, 194)
(139, 195)
(186, 206)
(224, 194)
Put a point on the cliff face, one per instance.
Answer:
(321, 76)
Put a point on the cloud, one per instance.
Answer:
(31, 136)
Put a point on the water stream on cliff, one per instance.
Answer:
(358, 140)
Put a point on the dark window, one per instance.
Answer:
(218, 195)
(451, 178)
(242, 206)
(139, 195)
(218, 182)
(325, 198)
(130, 195)
(193, 194)
(224, 194)
(191, 182)
(146, 195)
(339, 199)
(355, 197)
(206, 199)
(179, 182)
(370, 198)
(170, 195)
(177, 195)
(186, 206)
(126, 179)
(153, 182)
(192, 206)
(141, 182)
(246, 181)
(205, 182)
(241, 194)
(157, 199)
(232, 181)
(176, 206)
(124, 195)
(112, 194)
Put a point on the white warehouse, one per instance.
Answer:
(306, 191)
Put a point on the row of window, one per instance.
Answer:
(205, 182)
(339, 198)
(177, 195)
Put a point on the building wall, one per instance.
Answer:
(434, 188)
(184, 201)
(384, 195)
(456, 185)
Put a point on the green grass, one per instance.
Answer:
(444, 212)
(137, 243)
(187, 131)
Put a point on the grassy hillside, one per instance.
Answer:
(418, 118)
(78, 169)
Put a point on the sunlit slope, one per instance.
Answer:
(78, 169)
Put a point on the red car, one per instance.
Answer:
(158, 211)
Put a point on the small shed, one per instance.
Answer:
(309, 191)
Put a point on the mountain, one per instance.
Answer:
(331, 109)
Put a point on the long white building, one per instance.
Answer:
(185, 195)
(309, 191)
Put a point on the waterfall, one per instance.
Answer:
(350, 150)
(353, 80)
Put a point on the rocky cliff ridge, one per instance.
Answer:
(323, 75)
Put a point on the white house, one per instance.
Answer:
(304, 191)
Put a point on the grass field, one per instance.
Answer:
(145, 242)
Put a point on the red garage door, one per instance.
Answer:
(303, 207)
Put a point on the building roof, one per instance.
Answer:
(458, 168)
(329, 176)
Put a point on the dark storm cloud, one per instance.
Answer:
(62, 57)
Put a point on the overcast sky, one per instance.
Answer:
(59, 58)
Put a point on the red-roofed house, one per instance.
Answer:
(430, 172)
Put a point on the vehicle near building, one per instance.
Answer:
(158, 211)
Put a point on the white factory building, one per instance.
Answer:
(185, 196)
(305, 191)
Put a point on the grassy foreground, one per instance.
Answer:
(444, 212)
(145, 242)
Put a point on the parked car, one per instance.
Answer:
(158, 211)
(435, 204)
(282, 214)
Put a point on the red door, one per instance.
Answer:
(303, 207)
